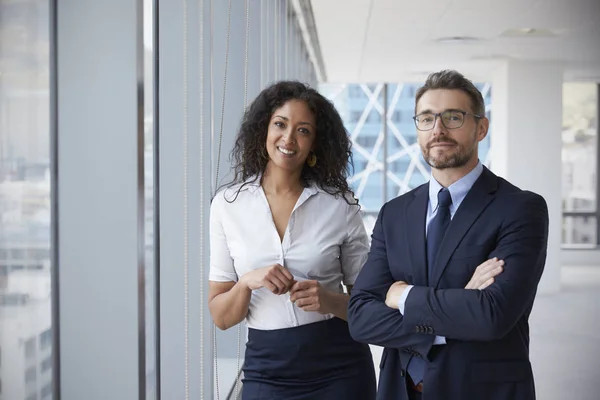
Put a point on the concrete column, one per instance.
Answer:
(526, 142)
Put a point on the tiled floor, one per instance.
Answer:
(565, 338)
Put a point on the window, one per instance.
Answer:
(366, 141)
(374, 117)
(375, 181)
(580, 165)
(397, 116)
(355, 116)
(25, 202)
(355, 91)
(18, 254)
(31, 375)
(46, 339)
(46, 364)
(46, 391)
(30, 349)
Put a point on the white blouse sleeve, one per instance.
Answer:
(221, 263)
(355, 248)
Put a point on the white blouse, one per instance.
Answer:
(325, 240)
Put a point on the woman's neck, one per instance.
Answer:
(279, 181)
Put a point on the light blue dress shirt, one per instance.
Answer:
(458, 191)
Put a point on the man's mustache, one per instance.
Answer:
(441, 140)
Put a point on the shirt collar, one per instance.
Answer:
(458, 190)
(253, 184)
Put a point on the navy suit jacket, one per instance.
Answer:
(487, 332)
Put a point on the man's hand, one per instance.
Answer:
(485, 273)
(394, 293)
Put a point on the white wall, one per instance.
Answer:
(580, 257)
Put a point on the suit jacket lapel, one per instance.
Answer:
(478, 198)
(416, 214)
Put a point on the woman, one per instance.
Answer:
(284, 236)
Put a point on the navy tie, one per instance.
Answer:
(437, 229)
(435, 233)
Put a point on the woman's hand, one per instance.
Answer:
(274, 278)
(310, 296)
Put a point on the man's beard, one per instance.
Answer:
(458, 157)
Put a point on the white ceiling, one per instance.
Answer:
(396, 40)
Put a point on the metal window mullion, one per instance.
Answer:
(54, 236)
(385, 142)
(597, 164)
(156, 195)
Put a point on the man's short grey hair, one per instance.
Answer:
(450, 79)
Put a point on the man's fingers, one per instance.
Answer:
(494, 272)
(486, 284)
(485, 271)
(488, 274)
(487, 268)
(488, 265)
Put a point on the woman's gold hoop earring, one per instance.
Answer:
(311, 160)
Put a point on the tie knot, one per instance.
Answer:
(444, 198)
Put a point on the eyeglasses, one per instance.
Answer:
(451, 119)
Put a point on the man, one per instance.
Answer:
(454, 326)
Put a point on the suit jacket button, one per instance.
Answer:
(401, 372)
(429, 329)
(417, 329)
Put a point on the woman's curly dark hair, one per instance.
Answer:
(332, 144)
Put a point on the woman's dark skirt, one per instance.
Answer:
(309, 362)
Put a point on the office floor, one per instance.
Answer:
(565, 338)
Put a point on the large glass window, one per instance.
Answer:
(25, 303)
(580, 164)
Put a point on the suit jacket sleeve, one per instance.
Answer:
(369, 319)
(489, 314)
